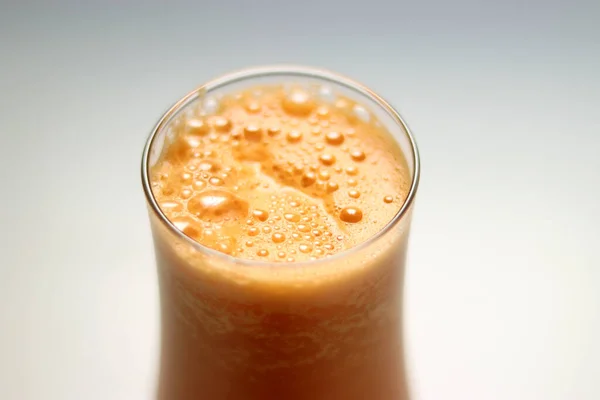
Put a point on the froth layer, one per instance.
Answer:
(280, 173)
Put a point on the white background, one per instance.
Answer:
(503, 285)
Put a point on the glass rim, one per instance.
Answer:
(265, 71)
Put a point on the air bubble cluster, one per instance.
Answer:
(283, 174)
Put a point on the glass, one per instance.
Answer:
(243, 330)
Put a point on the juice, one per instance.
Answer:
(280, 271)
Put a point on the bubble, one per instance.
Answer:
(267, 229)
(199, 184)
(308, 179)
(326, 94)
(208, 166)
(352, 170)
(224, 247)
(224, 175)
(388, 199)
(209, 234)
(303, 228)
(355, 194)
(262, 253)
(290, 259)
(210, 105)
(281, 254)
(324, 175)
(221, 124)
(273, 130)
(291, 217)
(351, 215)
(352, 182)
(252, 106)
(186, 178)
(186, 194)
(294, 136)
(328, 246)
(305, 248)
(252, 133)
(215, 181)
(316, 232)
(171, 206)
(196, 127)
(278, 237)
(334, 138)
(216, 205)
(342, 104)
(327, 159)
(249, 243)
(323, 111)
(253, 231)
(260, 215)
(361, 113)
(357, 155)
(188, 226)
(298, 102)
(332, 187)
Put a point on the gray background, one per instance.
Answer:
(503, 286)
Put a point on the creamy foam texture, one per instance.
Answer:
(280, 173)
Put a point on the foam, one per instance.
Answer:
(278, 174)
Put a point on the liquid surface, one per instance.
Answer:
(280, 174)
